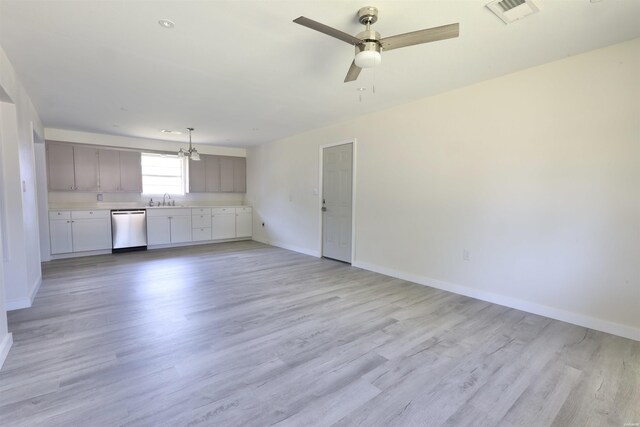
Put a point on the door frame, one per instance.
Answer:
(354, 162)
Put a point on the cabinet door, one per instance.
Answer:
(60, 167)
(244, 227)
(109, 169)
(213, 174)
(158, 230)
(91, 234)
(130, 171)
(197, 175)
(226, 174)
(180, 228)
(239, 175)
(60, 236)
(201, 221)
(223, 226)
(201, 234)
(85, 166)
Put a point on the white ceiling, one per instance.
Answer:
(242, 73)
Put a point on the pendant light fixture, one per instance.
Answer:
(192, 153)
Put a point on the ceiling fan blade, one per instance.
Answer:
(340, 35)
(422, 36)
(353, 73)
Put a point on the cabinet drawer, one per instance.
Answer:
(59, 215)
(201, 211)
(200, 234)
(199, 221)
(245, 209)
(166, 212)
(90, 214)
(215, 211)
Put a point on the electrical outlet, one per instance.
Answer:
(99, 197)
(465, 255)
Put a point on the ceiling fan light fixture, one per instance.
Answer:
(368, 59)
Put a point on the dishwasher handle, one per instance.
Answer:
(128, 213)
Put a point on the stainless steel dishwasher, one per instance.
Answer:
(129, 229)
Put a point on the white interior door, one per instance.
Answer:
(337, 188)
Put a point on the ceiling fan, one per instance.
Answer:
(369, 44)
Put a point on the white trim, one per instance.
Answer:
(5, 346)
(353, 143)
(35, 289)
(625, 331)
(17, 304)
(20, 303)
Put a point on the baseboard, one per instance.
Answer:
(5, 346)
(17, 304)
(534, 308)
(35, 289)
(25, 302)
(295, 248)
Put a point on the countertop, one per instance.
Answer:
(112, 205)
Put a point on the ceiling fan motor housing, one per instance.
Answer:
(368, 15)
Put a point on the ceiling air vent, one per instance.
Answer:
(512, 10)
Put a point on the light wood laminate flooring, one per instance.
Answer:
(244, 334)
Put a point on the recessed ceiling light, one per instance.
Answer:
(361, 89)
(166, 23)
(172, 132)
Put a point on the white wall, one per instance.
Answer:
(535, 173)
(21, 272)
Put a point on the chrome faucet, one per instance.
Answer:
(164, 202)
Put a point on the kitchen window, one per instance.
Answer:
(162, 173)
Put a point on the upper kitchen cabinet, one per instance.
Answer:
(218, 174)
(60, 167)
(130, 171)
(109, 161)
(120, 171)
(85, 167)
(239, 175)
(72, 167)
(212, 182)
(226, 174)
(198, 175)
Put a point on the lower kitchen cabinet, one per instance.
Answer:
(79, 231)
(60, 232)
(223, 223)
(244, 222)
(84, 231)
(201, 223)
(166, 226)
(158, 230)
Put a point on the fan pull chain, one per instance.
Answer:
(373, 84)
